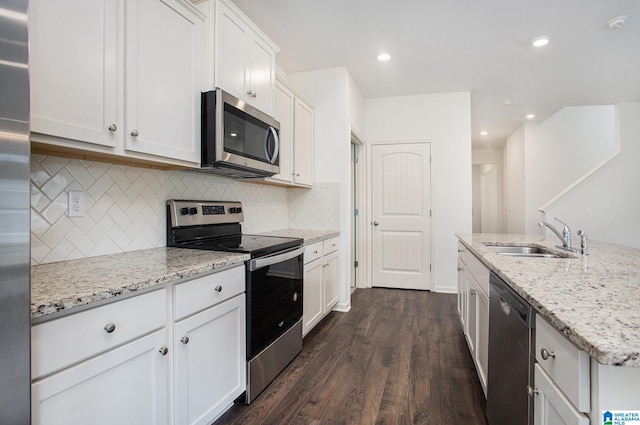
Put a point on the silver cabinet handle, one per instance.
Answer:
(546, 354)
(472, 291)
(163, 351)
(532, 391)
(184, 340)
(134, 133)
(375, 223)
(110, 327)
(218, 288)
(113, 127)
(460, 269)
(315, 251)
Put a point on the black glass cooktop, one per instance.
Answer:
(255, 245)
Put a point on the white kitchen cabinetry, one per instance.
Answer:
(102, 366)
(295, 115)
(244, 58)
(321, 282)
(473, 307)
(562, 379)
(210, 346)
(116, 80)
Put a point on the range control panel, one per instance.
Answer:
(194, 213)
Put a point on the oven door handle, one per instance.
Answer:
(259, 263)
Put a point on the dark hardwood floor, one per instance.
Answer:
(398, 357)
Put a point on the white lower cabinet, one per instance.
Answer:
(126, 385)
(321, 282)
(210, 366)
(177, 349)
(551, 406)
(473, 308)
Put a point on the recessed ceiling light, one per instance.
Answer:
(484, 133)
(530, 116)
(540, 41)
(383, 57)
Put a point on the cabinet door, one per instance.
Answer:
(303, 143)
(330, 278)
(462, 294)
(312, 296)
(72, 69)
(230, 53)
(551, 406)
(127, 385)
(482, 341)
(210, 362)
(162, 79)
(472, 315)
(260, 75)
(283, 112)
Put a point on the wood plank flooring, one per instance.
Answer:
(398, 357)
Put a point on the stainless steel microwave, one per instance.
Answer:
(238, 140)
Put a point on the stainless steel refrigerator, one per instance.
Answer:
(15, 364)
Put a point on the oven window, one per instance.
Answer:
(274, 302)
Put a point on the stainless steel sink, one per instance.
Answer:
(523, 251)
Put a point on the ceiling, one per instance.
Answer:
(466, 45)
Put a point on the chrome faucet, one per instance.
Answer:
(565, 236)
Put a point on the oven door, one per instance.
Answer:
(274, 297)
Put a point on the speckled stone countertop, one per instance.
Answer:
(593, 300)
(57, 287)
(309, 236)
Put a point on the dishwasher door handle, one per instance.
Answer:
(504, 306)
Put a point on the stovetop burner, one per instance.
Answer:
(215, 226)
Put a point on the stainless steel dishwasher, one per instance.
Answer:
(511, 356)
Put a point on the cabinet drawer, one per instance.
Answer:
(203, 292)
(330, 245)
(478, 270)
(312, 252)
(70, 339)
(551, 406)
(566, 365)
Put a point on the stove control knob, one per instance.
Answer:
(193, 210)
(184, 211)
(233, 210)
(238, 210)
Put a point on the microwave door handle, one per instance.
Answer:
(271, 131)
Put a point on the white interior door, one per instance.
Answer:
(401, 204)
(489, 199)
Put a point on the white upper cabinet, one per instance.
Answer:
(116, 79)
(162, 79)
(73, 69)
(296, 137)
(244, 58)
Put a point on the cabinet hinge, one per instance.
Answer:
(355, 159)
(429, 267)
(355, 264)
(356, 212)
(429, 213)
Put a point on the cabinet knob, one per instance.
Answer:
(461, 250)
(218, 288)
(110, 327)
(532, 391)
(163, 351)
(184, 340)
(251, 94)
(375, 223)
(134, 133)
(460, 269)
(113, 127)
(297, 174)
(546, 354)
(315, 251)
(472, 291)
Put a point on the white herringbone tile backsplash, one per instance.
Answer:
(125, 206)
(317, 208)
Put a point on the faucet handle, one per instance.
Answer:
(583, 242)
(566, 232)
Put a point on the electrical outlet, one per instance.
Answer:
(76, 203)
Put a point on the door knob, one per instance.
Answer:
(375, 223)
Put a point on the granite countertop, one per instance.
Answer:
(593, 300)
(309, 236)
(59, 287)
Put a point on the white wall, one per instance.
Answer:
(606, 205)
(561, 150)
(482, 159)
(338, 107)
(444, 120)
(514, 181)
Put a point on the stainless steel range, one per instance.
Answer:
(273, 281)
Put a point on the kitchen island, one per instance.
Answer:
(587, 325)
